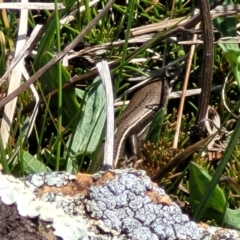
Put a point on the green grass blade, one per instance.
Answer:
(129, 13)
(60, 83)
(3, 158)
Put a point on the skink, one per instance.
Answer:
(137, 115)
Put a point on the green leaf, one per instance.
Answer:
(232, 219)
(155, 127)
(198, 183)
(32, 165)
(90, 126)
(234, 58)
(49, 82)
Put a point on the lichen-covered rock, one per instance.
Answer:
(117, 204)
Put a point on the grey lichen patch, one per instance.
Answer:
(130, 204)
(57, 179)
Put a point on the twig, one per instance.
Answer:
(207, 65)
(107, 83)
(15, 78)
(185, 84)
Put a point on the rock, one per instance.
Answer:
(117, 204)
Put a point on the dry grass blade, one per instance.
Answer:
(36, 5)
(32, 118)
(185, 84)
(192, 92)
(19, 56)
(15, 78)
(105, 75)
(219, 11)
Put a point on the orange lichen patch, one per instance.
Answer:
(106, 176)
(203, 225)
(84, 180)
(78, 186)
(154, 196)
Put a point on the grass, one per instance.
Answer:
(69, 126)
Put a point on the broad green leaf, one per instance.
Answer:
(232, 219)
(90, 126)
(80, 93)
(155, 127)
(198, 183)
(32, 165)
(49, 82)
(234, 58)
